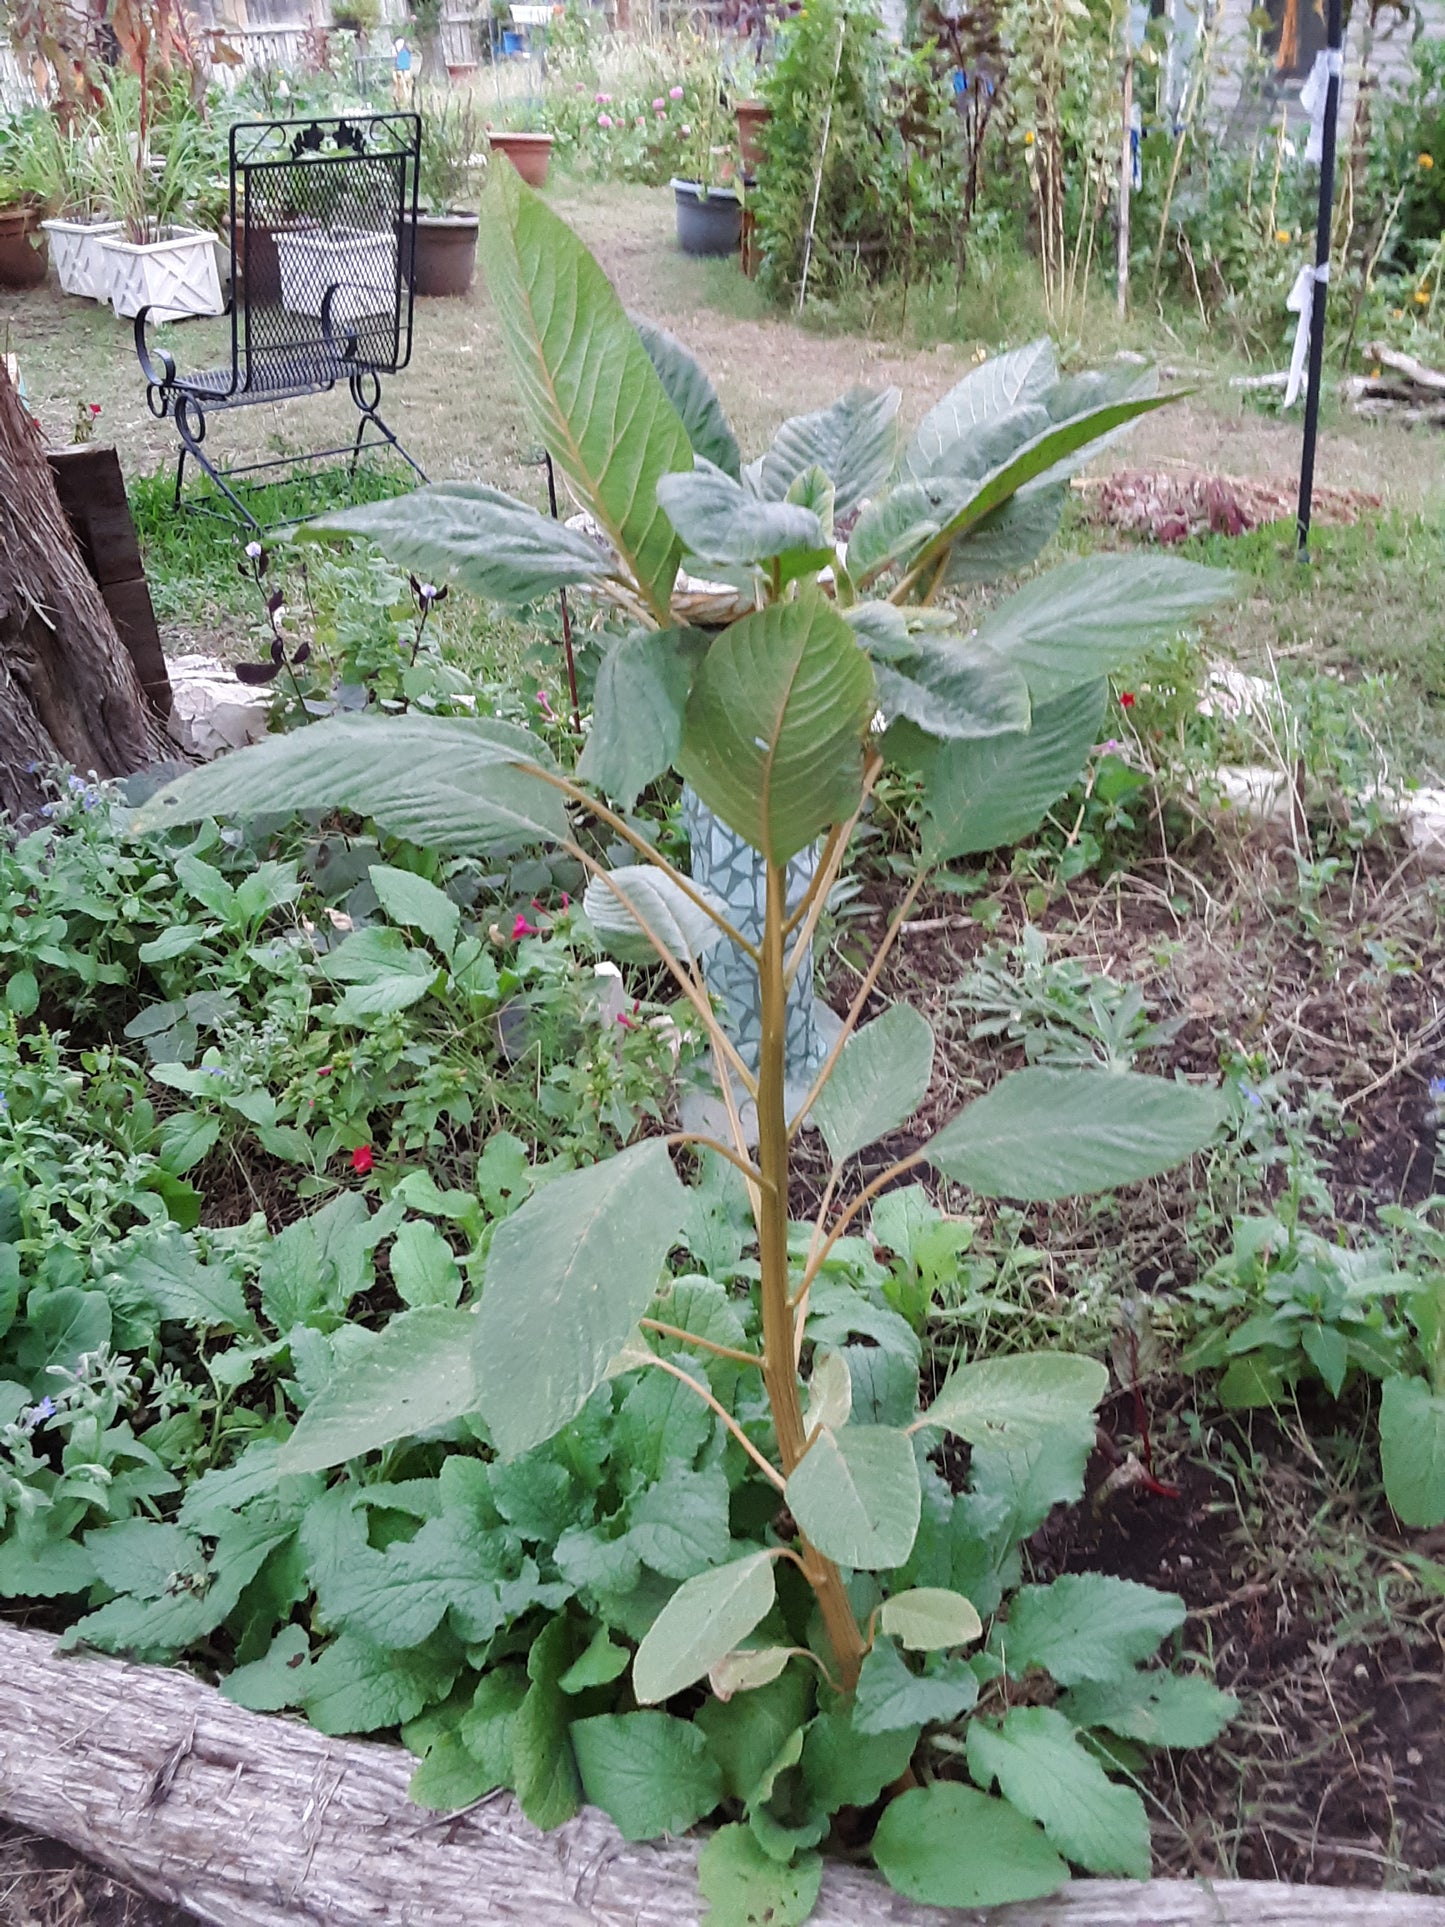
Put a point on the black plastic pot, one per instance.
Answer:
(709, 219)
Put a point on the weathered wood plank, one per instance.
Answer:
(256, 1822)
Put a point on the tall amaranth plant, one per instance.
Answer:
(827, 662)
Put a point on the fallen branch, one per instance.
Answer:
(251, 1821)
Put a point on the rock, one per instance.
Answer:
(211, 711)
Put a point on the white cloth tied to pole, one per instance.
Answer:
(1301, 301)
(1314, 97)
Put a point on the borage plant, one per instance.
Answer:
(805, 1584)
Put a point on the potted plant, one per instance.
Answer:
(65, 179)
(524, 141)
(451, 164)
(707, 186)
(156, 261)
(23, 253)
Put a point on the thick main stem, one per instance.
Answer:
(780, 1372)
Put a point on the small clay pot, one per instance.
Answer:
(530, 154)
(446, 253)
(24, 248)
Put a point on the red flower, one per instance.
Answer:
(94, 407)
(361, 1160)
(1126, 699)
(521, 928)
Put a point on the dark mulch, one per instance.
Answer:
(43, 1884)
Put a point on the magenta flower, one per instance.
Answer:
(521, 928)
(659, 106)
(604, 120)
(603, 100)
(674, 93)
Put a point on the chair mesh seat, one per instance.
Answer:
(305, 371)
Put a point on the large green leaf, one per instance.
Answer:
(929, 1618)
(649, 897)
(993, 390)
(1019, 1400)
(880, 1079)
(1160, 1709)
(1042, 1134)
(587, 383)
(705, 1619)
(1412, 1451)
(409, 899)
(891, 1698)
(893, 527)
(1040, 1767)
(955, 690)
(693, 396)
(651, 1774)
(485, 541)
(1043, 460)
(637, 711)
(418, 1374)
(846, 1768)
(983, 792)
(1088, 1626)
(856, 1494)
(1013, 537)
(567, 1278)
(447, 783)
(854, 442)
(773, 740)
(1086, 619)
(951, 1846)
(746, 1887)
(721, 523)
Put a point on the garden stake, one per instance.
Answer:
(818, 179)
(566, 612)
(1321, 279)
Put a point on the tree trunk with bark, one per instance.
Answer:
(250, 1821)
(68, 689)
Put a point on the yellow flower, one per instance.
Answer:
(1422, 295)
(1029, 138)
(1426, 160)
(1281, 234)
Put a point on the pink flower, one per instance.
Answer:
(659, 106)
(674, 93)
(581, 86)
(94, 407)
(684, 130)
(521, 928)
(642, 120)
(603, 100)
(361, 1160)
(604, 120)
(545, 706)
(625, 1021)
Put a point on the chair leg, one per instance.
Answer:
(366, 393)
(193, 434)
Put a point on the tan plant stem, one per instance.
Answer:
(817, 1261)
(704, 1344)
(780, 1375)
(706, 1143)
(693, 992)
(801, 1306)
(880, 957)
(644, 849)
(764, 1465)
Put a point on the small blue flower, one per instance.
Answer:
(1252, 1097)
(38, 1414)
(1437, 1089)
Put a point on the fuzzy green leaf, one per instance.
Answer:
(1088, 1626)
(993, 390)
(409, 899)
(1041, 1134)
(417, 1375)
(705, 1619)
(1035, 1757)
(544, 1772)
(854, 441)
(1018, 1400)
(721, 523)
(745, 1887)
(773, 740)
(880, 1079)
(485, 541)
(637, 711)
(568, 1275)
(651, 1774)
(856, 1495)
(653, 899)
(424, 1267)
(446, 783)
(586, 381)
(1157, 1709)
(954, 690)
(1412, 1451)
(930, 1618)
(950, 1846)
(891, 1697)
(357, 1687)
(693, 396)
(846, 1768)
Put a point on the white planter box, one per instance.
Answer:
(175, 277)
(361, 267)
(81, 264)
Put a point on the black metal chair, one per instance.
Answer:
(323, 249)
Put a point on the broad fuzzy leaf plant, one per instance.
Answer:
(825, 657)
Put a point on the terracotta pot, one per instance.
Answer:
(530, 154)
(446, 253)
(24, 248)
(753, 116)
(709, 219)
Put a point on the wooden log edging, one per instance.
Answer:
(255, 1821)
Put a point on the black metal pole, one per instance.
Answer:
(566, 612)
(1335, 37)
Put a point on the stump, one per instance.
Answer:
(255, 1821)
(69, 692)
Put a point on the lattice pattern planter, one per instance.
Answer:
(175, 277)
(81, 264)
